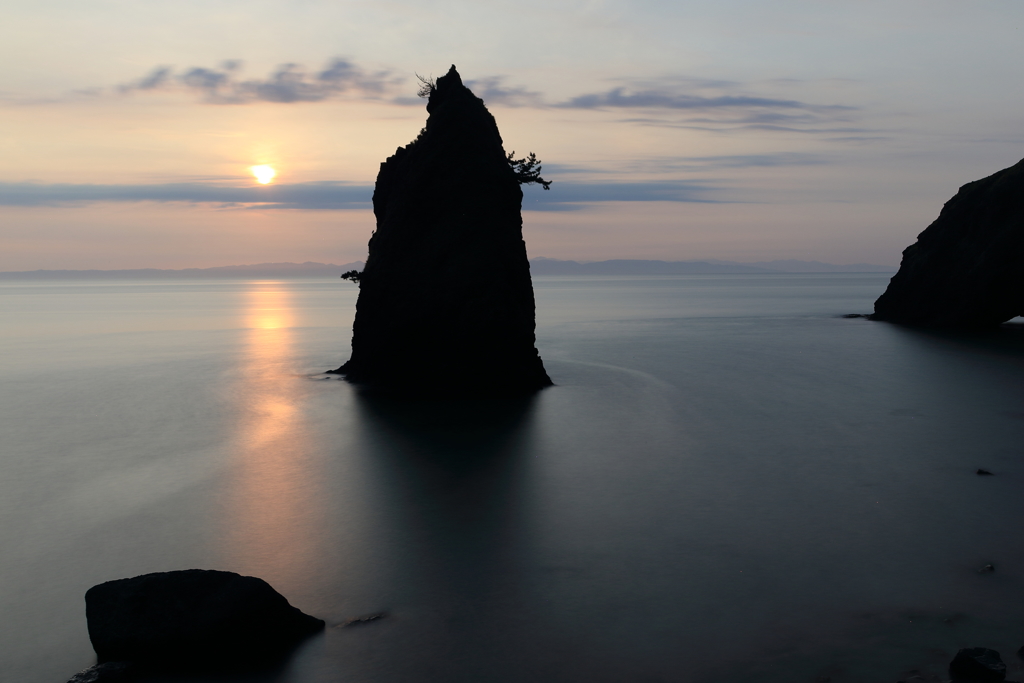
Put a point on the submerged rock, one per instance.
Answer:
(361, 621)
(967, 268)
(196, 616)
(445, 300)
(977, 664)
(108, 672)
(915, 676)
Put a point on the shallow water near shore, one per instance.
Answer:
(729, 482)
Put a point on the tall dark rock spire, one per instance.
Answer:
(967, 268)
(446, 301)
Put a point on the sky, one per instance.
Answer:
(675, 130)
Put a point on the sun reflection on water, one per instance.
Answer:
(268, 307)
(268, 527)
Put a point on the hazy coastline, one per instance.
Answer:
(538, 266)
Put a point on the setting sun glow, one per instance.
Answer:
(264, 174)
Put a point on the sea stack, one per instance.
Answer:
(967, 268)
(446, 301)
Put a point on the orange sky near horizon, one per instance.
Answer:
(673, 131)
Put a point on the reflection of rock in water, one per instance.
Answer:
(967, 268)
(449, 431)
(450, 482)
(446, 302)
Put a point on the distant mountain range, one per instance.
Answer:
(257, 270)
(546, 266)
(538, 266)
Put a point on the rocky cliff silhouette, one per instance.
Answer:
(967, 268)
(446, 301)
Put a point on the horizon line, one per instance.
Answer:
(537, 260)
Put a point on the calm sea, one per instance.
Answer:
(729, 483)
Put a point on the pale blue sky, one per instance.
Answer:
(676, 130)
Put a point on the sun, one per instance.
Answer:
(264, 174)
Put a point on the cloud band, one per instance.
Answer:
(332, 195)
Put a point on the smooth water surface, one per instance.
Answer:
(728, 483)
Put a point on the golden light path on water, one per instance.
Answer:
(268, 527)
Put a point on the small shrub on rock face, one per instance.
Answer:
(977, 664)
(527, 170)
(428, 84)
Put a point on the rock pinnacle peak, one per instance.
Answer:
(450, 79)
(445, 88)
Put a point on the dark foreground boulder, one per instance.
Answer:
(967, 268)
(191, 617)
(977, 664)
(446, 301)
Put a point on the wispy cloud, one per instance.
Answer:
(683, 164)
(727, 124)
(740, 161)
(493, 90)
(647, 99)
(569, 196)
(288, 83)
(680, 102)
(669, 101)
(314, 195)
(715, 105)
(292, 83)
(333, 195)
